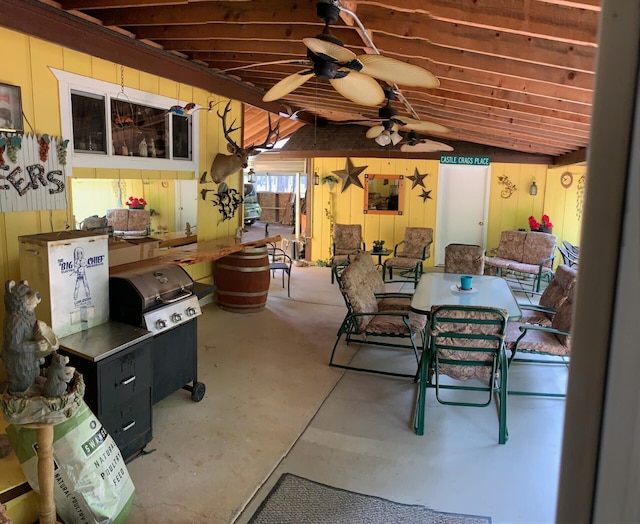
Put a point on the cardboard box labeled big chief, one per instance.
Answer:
(70, 270)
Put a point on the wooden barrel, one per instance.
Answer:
(242, 280)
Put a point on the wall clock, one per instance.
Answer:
(566, 179)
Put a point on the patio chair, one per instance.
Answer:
(280, 261)
(367, 323)
(464, 259)
(416, 248)
(371, 277)
(347, 241)
(551, 341)
(556, 293)
(465, 343)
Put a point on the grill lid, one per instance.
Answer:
(154, 285)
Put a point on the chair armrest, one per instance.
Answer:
(395, 248)
(533, 327)
(491, 252)
(544, 260)
(394, 295)
(541, 309)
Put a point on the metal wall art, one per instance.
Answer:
(509, 187)
(227, 199)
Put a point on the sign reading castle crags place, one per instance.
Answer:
(32, 177)
(465, 160)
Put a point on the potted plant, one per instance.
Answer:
(136, 203)
(330, 179)
(378, 245)
(544, 226)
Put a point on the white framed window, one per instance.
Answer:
(124, 129)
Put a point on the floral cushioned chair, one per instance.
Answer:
(465, 259)
(371, 278)
(347, 241)
(554, 340)
(465, 342)
(370, 320)
(416, 248)
(531, 253)
(557, 292)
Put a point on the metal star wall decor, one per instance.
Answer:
(417, 178)
(349, 175)
(426, 195)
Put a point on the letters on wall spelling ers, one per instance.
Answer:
(30, 183)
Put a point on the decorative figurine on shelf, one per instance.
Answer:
(152, 148)
(26, 340)
(187, 231)
(58, 376)
(142, 148)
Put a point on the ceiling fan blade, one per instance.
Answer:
(374, 131)
(425, 146)
(359, 88)
(397, 72)
(322, 47)
(422, 126)
(286, 85)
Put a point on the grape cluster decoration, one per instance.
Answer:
(13, 146)
(43, 141)
(61, 149)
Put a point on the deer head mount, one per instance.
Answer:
(224, 165)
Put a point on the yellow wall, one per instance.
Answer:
(561, 204)
(26, 64)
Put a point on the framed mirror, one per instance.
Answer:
(383, 194)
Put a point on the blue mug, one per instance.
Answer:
(465, 282)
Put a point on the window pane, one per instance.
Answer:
(138, 130)
(181, 136)
(87, 112)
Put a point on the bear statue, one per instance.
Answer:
(26, 340)
(58, 376)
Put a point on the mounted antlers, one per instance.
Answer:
(224, 165)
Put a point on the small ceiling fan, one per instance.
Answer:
(353, 76)
(386, 132)
(415, 144)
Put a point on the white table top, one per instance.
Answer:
(441, 288)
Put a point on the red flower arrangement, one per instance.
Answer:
(136, 203)
(544, 225)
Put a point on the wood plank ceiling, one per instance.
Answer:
(514, 74)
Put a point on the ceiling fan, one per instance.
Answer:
(353, 76)
(386, 132)
(415, 144)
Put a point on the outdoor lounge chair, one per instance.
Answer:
(416, 248)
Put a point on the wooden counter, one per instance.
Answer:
(175, 239)
(195, 253)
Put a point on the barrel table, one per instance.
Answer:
(242, 280)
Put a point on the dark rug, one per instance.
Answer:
(296, 500)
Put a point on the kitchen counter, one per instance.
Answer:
(102, 341)
(191, 254)
(175, 239)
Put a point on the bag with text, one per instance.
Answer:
(91, 481)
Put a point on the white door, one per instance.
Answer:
(462, 207)
(186, 204)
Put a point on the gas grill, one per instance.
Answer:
(161, 299)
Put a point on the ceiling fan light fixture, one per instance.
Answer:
(396, 138)
(384, 138)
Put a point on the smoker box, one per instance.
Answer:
(70, 270)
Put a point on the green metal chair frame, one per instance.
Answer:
(563, 359)
(417, 269)
(471, 338)
(350, 328)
